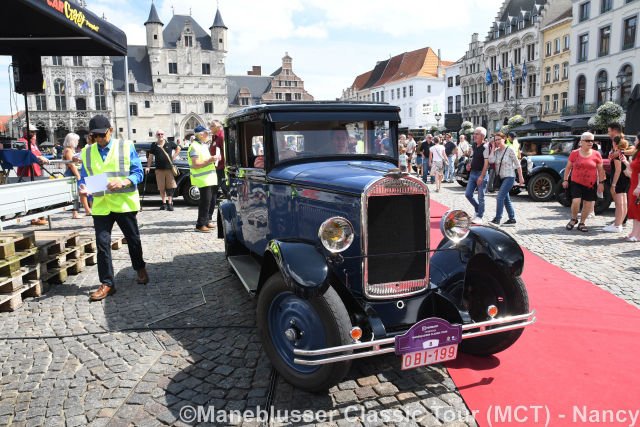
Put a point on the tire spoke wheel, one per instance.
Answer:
(287, 321)
(509, 296)
(541, 187)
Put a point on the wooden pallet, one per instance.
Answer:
(90, 258)
(56, 261)
(52, 243)
(60, 274)
(12, 301)
(10, 266)
(10, 243)
(20, 277)
(117, 241)
(88, 244)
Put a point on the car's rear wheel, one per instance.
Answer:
(541, 187)
(286, 321)
(562, 195)
(191, 194)
(508, 295)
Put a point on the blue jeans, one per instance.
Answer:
(425, 169)
(449, 172)
(471, 188)
(504, 200)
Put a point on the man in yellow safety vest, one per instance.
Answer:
(118, 163)
(202, 167)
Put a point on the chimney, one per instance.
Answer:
(439, 65)
(256, 71)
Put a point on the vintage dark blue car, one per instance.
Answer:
(334, 241)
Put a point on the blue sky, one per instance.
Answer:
(330, 41)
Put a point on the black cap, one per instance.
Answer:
(99, 124)
(512, 134)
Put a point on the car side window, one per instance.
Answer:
(250, 141)
(231, 145)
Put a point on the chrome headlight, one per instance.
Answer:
(336, 234)
(529, 165)
(454, 225)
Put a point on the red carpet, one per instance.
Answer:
(579, 364)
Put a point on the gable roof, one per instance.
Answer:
(172, 31)
(359, 82)
(257, 85)
(376, 73)
(391, 69)
(139, 65)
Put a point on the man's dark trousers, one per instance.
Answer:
(222, 183)
(206, 206)
(129, 225)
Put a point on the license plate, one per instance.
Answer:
(429, 357)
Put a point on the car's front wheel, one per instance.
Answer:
(508, 295)
(191, 194)
(541, 187)
(286, 321)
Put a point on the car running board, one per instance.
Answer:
(247, 269)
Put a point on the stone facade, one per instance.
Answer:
(473, 84)
(555, 47)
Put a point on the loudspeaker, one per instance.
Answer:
(27, 74)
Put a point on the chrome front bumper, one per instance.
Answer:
(387, 345)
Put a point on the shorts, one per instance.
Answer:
(437, 167)
(579, 191)
(622, 186)
(165, 180)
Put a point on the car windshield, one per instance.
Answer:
(562, 146)
(322, 139)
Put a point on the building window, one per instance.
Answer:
(393, 94)
(605, 5)
(629, 34)
(547, 100)
(547, 75)
(450, 82)
(428, 88)
(81, 103)
(493, 61)
(155, 37)
(531, 87)
(556, 72)
(505, 59)
(188, 41)
(605, 41)
(556, 44)
(206, 68)
(133, 109)
(458, 102)
(625, 89)
(404, 91)
(547, 50)
(150, 134)
(567, 42)
(132, 87)
(77, 61)
(56, 60)
(516, 55)
(555, 102)
(298, 96)
(41, 102)
(59, 91)
(581, 85)
(458, 80)
(519, 87)
(244, 101)
(450, 104)
(531, 52)
(585, 9)
(175, 107)
(565, 71)
(208, 107)
(410, 111)
(565, 100)
(506, 90)
(287, 97)
(583, 47)
(147, 104)
(173, 68)
(494, 92)
(398, 93)
(100, 98)
(410, 92)
(602, 93)
(278, 96)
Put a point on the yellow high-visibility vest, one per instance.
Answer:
(116, 166)
(202, 177)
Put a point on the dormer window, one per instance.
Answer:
(188, 41)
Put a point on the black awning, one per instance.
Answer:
(56, 27)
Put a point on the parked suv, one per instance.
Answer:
(334, 241)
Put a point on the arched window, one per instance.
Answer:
(581, 87)
(101, 100)
(60, 94)
(625, 87)
(602, 86)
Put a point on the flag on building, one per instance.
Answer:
(513, 73)
(500, 76)
(488, 77)
(524, 70)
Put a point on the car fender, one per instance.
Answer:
(226, 217)
(180, 180)
(543, 168)
(303, 267)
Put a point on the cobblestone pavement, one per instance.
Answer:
(188, 337)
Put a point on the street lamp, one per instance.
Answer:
(602, 84)
(438, 116)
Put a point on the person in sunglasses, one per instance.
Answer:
(118, 203)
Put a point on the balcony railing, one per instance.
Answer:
(572, 110)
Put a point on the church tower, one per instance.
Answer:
(154, 29)
(219, 33)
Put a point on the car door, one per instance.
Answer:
(249, 187)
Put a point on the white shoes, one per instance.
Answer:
(477, 220)
(611, 228)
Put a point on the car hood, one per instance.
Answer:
(551, 158)
(350, 176)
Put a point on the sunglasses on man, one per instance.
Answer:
(98, 135)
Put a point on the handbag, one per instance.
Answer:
(174, 168)
(497, 180)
